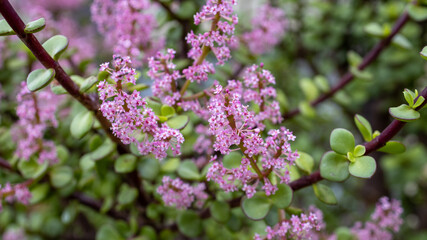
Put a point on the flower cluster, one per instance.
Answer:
(217, 39)
(14, 234)
(386, 218)
(297, 227)
(128, 26)
(16, 193)
(256, 82)
(132, 120)
(164, 74)
(181, 195)
(269, 26)
(36, 112)
(232, 124)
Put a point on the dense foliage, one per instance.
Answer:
(213, 119)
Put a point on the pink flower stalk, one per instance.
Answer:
(162, 72)
(232, 124)
(385, 220)
(181, 195)
(297, 227)
(218, 39)
(132, 120)
(36, 112)
(269, 27)
(128, 25)
(16, 193)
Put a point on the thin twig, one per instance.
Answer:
(367, 60)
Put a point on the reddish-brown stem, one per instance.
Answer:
(367, 60)
(16, 23)
(389, 132)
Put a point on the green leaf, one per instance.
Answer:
(404, 113)
(256, 207)
(220, 211)
(324, 194)
(86, 163)
(282, 198)
(420, 100)
(137, 87)
(359, 150)
(32, 169)
(188, 170)
(364, 127)
(39, 192)
(126, 163)
(108, 232)
(155, 106)
(61, 176)
(167, 111)
(127, 195)
(35, 26)
(400, 41)
(232, 160)
(39, 79)
(81, 124)
(309, 88)
(148, 168)
(55, 46)
(409, 97)
(393, 147)
(305, 162)
(170, 165)
(418, 13)
(342, 141)
(423, 53)
(178, 122)
(354, 59)
(103, 151)
(189, 223)
(363, 75)
(88, 84)
(69, 214)
(344, 233)
(375, 30)
(306, 109)
(363, 167)
(57, 89)
(5, 29)
(334, 167)
(322, 83)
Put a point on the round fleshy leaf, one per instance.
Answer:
(148, 168)
(88, 84)
(344, 233)
(418, 13)
(86, 163)
(125, 163)
(282, 198)
(363, 167)
(56, 45)
(404, 113)
(220, 211)
(189, 224)
(322, 83)
(108, 232)
(127, 195)
(324, 194)
(423, 53)
(306, 109)
(5, 29)
(35, 26)
(305, 162)
(170, 165)
(401, 41)
(188, 170)
(32, 169)
(364, 127)
(309, 88)
(103, 151)
(256, 207)
(137, 87)
(359, 150)
(39, 79)
(81, 124)
(167, 111)
(342, 141)
(393, 147)
(334, 167)
(375, 30)
(61, 176)
(39, 192)
(232, 160)
(178, 122)
(57, 89)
